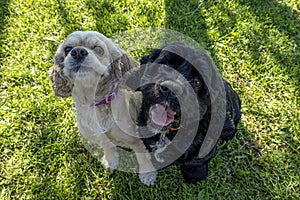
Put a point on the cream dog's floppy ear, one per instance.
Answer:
(61, 85)
(123, 64)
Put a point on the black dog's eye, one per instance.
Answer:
(197, 82)
(68, 49)
(99, 50)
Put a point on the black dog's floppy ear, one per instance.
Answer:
(152, 57)
(145, 60)
(61, 84)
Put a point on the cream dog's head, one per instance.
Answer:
(85, 57)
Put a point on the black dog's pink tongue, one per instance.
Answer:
(162, 115)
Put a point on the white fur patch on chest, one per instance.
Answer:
(160, 146)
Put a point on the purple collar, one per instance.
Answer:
(108, 99)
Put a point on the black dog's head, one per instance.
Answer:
(164, 98)
(183, 94)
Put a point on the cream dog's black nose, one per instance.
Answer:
(79, 53)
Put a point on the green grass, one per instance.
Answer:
(255, 44)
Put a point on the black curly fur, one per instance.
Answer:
(193, 169)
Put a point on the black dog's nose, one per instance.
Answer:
(79, 53)
(170, 89)
(166, 92)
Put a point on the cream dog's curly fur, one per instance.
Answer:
(88, 66)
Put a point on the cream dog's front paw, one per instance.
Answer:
(148, 178)
(110, 163)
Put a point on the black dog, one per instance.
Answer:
(160, 119)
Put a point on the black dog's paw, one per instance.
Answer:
(194, 173)
(228, 134)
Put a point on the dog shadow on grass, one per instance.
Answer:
(273, 17)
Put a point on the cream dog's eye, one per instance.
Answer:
(99, 50)
(68, 49)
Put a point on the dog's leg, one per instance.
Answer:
(194, 173)
(110, 159)
(147, 173)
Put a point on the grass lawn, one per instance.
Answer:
(255, 45)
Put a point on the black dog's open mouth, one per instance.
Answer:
(162, 115)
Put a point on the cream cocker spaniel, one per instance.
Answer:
(88, 66)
